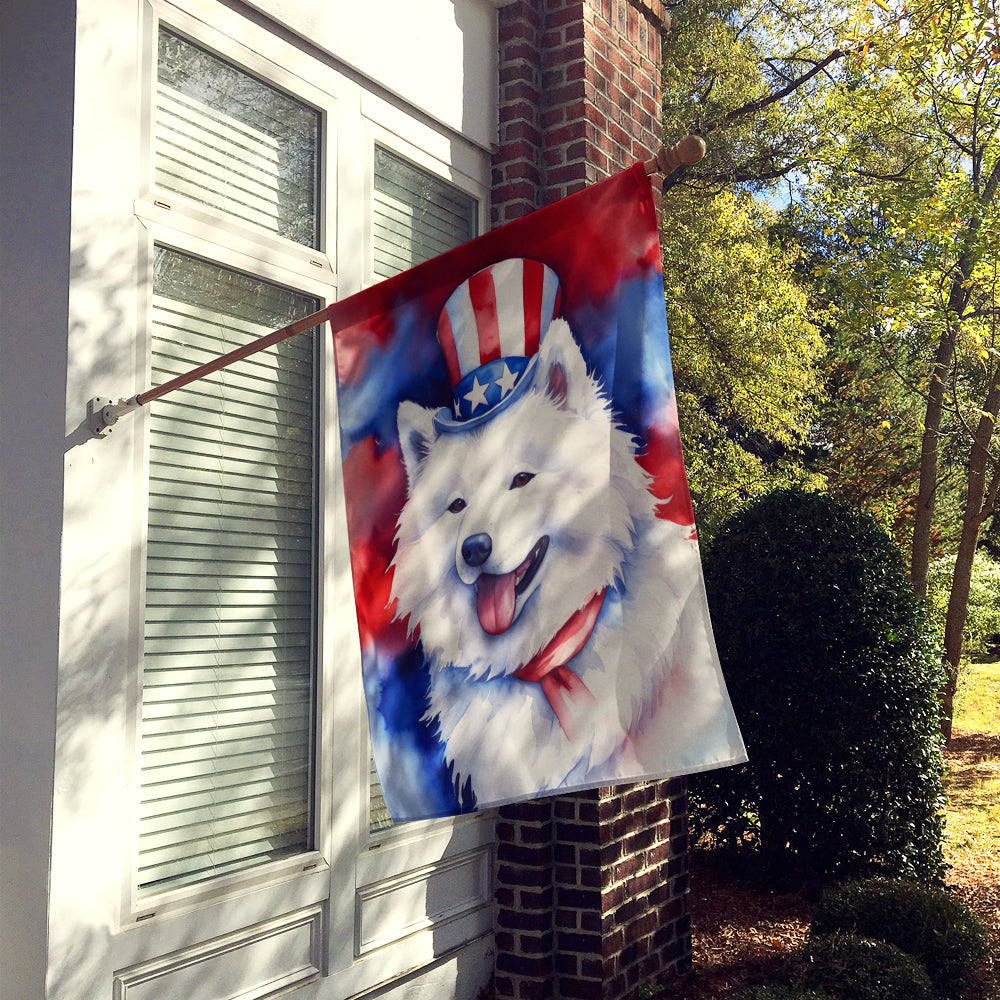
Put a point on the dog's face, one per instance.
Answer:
(510, 527)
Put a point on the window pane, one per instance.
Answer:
(228, 662)
(416, 216)
(228, 140)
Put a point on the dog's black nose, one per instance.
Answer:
(476, 549)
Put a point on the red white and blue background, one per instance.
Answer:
(529, 595)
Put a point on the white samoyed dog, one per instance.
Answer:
(531, 534)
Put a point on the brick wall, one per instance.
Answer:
(579, 96)
(591, 892)
(591, 889)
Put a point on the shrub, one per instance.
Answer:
(856, 968)
(834, 673)
(925, 922)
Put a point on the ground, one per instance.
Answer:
(742, 935)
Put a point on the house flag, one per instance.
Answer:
(530, 600)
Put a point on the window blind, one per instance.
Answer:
(415, 216)
(228, 655)
(228, 140)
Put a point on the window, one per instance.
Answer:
(251, 803)
(227, 140)
(228, 680)
(416, 216)
(229, 645)
(210, 831)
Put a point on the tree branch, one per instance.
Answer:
(754, 106)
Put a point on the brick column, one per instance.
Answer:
(591, 889)
(579, 96)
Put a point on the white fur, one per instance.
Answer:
(659, 705)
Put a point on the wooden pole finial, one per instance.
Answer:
(668, 158)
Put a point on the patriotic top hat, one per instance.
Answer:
(490, 330)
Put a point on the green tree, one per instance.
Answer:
(747, 77)
(746, 349)
(912, 191)
(746, 355)
(880, 121)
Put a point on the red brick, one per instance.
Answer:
(658, 854)
(638, 840)
(520, 16)
(552, 117)
(564, 874)
(580, 899)
(567, 964)
(514, 875)
(567, 133)
(613, 896)
(625, 913)
(534, 989)
(618, 134)
(523, 91)
(518, 49)
(642, 882)
(575, 941)
(535, 944)
(553, 77)
(530, 899)
(537, 966)
(524, 111)
(520, 920)
(563, 53)
(581, 989)
(521, 130)
(608, 809)
(519, 149)
(504, 940)
(503, 986)
(642, 926)
(598, 88)
(571, 14)
(614, 941)
(532, 856)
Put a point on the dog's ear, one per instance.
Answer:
(563, 372)
(415, 425)
(556, 384)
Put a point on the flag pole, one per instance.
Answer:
(687, 152)
(103, 413)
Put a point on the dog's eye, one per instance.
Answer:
(521, 479)
(456, 505)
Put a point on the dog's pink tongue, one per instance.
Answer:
(495, 601)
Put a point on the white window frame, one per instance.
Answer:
(351, 876)
(180, 224)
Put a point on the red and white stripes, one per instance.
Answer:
(501, 311)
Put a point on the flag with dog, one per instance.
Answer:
(529, 593)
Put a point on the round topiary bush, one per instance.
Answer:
(926, 922)
(834, 673)
(856, 968)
